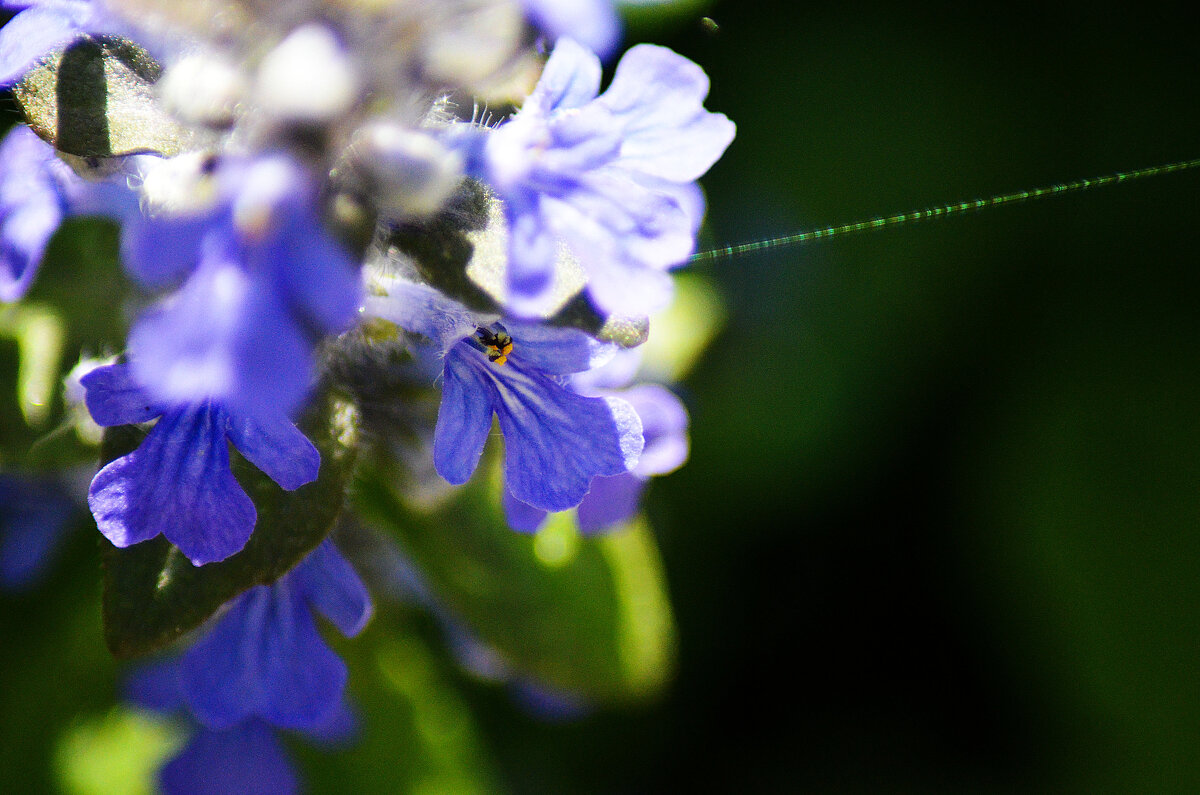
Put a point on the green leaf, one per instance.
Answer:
(584, 615)
(96, 99)
(153, 594)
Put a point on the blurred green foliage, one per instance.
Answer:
(587, 616)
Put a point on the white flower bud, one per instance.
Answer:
(308, 77)
(203, 89)
(180, 185)
(484, 36)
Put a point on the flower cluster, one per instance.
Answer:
(296, 192)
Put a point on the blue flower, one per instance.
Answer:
(262, 665)
(178, 482)
(611, 176)
(264, 282)
(263, 658)
(246, 758)
(34, 516)
(556, 441)
(593, 23)
(615, 499)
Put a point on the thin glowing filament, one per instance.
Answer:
(882, 222)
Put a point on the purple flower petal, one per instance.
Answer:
(464, 417)
(617, 372)
(155, 686)
(162, 250)
(556, 441)
(322, 280)
(668, 133)
(571, 78)
(36, 32)
(30, 208)
(530, 270)
(114, 398)
(593, 22)
(612, 500)
(266, 281)
(332, 587)
(664, 425)
(613, 215)
(630, 289)
(686, 195)
(340, 729)
(545, 703)
(278, 448)
(558, 351)
(469, 650)
(34, 515)
(247, 759)
(226, 336)
(625, 236)
(521, 517)
(264, 658)
(37, 190)
(571, 145)
(606, 176)
(176, 483)
(423, 310)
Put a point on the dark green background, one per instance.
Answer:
(941, 526)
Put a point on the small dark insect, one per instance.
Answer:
(497, 344)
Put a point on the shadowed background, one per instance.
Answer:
(941, 526)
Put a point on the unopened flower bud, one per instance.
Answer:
(203, 89)
(308, 77)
